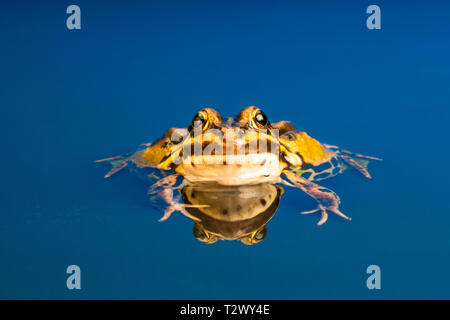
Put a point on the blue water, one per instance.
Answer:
(134, 70)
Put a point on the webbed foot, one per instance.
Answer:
(117, 163)
(327, 200)
(356, 160)
(163, 189)
(361, 167)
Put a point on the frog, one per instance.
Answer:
(245, 150)
(231, 213)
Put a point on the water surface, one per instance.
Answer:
(134, 70)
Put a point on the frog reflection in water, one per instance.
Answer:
(246, 151)
(231, 212)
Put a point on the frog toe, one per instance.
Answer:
(117, 163)
(327, 200)
(324, 214)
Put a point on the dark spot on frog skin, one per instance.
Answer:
(225, 211)
(263, 202)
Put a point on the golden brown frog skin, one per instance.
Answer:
(248, 150)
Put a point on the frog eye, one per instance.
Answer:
(202, 235)
(260, 119)
(199, 120)
(256, 237)
(260, 235)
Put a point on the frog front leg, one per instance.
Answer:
(327, 200)
(163, 189)
(355, 160)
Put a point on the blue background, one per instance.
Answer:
(134, 70)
